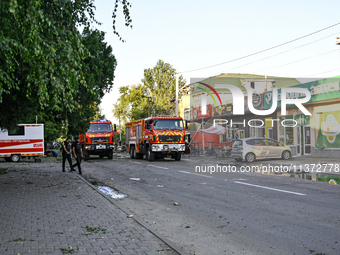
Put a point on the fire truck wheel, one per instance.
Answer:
(15, 158)
(178, 156)
(132, 152)
(149, 155)
(110, 155)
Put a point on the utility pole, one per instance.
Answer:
(149, 99)
(120, 130)
(149, 106)
(337, 42)
(177, 92)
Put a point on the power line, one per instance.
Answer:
(274, 47)
(282, 52)
(321, 73)
(303, 59)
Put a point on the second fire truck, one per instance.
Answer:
(156, 137)
(98, 140)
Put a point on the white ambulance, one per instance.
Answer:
(26, 140)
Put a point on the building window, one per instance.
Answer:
(256, 131)
(286, 133)
(252, 85)
(270, 133)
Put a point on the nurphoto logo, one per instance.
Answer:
(238, 99)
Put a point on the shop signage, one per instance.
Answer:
(302, 119)
(223, 110)
(329, 131)
(320, 90)
(197, 113)
(257, 102)
(238, 100)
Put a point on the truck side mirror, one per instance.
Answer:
(115, 127)
(186, 124)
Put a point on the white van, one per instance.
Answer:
(26, 140)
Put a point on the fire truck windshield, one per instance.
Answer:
(100, 127)
(168, 124)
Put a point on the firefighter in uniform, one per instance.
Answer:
(67, 153)
(77, 153)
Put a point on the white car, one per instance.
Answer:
(253, 148)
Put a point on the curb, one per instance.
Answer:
(139, 221)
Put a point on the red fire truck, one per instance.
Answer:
(159, 137)
(98, 140)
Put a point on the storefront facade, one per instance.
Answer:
(316, 134)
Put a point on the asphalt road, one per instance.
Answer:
(225, 213)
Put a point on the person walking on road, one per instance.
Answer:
(67, 153)
(77, 153)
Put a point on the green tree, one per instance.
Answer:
(132, 104)
(160, 83)
(42, 54)
(98, 68)
(158, 86)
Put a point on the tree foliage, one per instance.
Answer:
(131, 104)
(47, 68)
(41, 52)
(157, 91)
(126, 11)
(98, 68)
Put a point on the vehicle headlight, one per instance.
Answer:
(165, 147)
(155, 147)
(182, 147)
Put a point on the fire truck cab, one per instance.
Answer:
(156, 137)
(98, 140)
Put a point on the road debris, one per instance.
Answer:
(135, 179)
(111, 192)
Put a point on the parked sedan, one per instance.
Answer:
(253, 148)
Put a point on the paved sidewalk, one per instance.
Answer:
(45, 211)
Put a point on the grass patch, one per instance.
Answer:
(96, 230)
(67, 251)
(3, 170)
(19, 239)
(95, 183)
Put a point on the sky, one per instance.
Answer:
(193, 34)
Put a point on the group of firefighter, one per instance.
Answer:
(76, 150)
